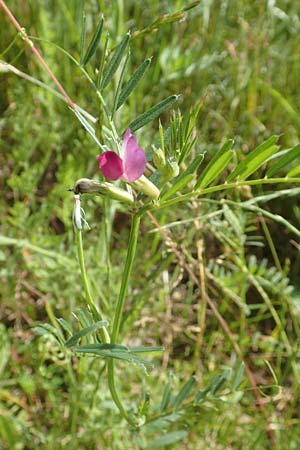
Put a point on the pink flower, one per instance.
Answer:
(130, 166)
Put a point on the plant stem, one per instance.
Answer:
(219, 187)
(119, 313)
(125, 278)
(96, 314)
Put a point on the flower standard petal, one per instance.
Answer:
(111, 165)
(134, 159)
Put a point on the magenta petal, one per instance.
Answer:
(134, 159)
(111, 165)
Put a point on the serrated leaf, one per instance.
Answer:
(94, 43)
(284, 161)
(184, 178)
(168, 439)
(84, 332)
(114, 63)
(184, 392)
(216, 166)
(255, 159)
(133, 82)
(152, 113)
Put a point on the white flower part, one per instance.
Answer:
(77, 212)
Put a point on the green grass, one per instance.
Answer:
(237, 248)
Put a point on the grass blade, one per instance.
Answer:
(83, 36)
(152, 113)
(115, 61)
(94, 43)
(216, 166)
(133, 82)
(255, 159)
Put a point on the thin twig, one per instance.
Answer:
(34, 50)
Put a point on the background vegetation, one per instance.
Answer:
(240, 60)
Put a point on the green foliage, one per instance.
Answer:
(232, 60)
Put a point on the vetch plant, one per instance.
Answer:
(183, 177)
(130, 167)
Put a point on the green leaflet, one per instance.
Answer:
(152, 113)
(255, 159)
(85, 331)
(183, 179)
(286, 159)
(132, 83)
(117, 347)
(219, 380)
(294, 172)
(184, 392)
(114, 351)
(93, 44)
(238, 377)
(165, 398)
(168, 439)
(120, 84)
(65, 325)
(114, 63)
(216, 166)
(102, 61)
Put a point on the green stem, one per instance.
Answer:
(119, 313)
(125, 278)
(212, 189)
(96, 314)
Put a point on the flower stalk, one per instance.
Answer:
(131, 250)
(95, 312)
